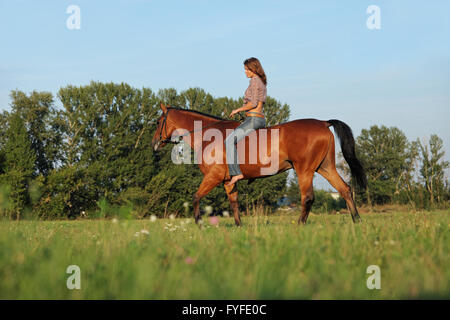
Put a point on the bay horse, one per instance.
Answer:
(306, 145)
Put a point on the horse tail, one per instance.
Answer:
(345, 135)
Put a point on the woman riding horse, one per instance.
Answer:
(254, 99)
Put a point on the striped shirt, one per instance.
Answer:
(255, 92)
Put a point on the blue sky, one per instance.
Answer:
(319, 56)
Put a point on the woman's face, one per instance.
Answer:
(248, 73)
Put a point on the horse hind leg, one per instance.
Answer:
(305, 183)
(329, 172)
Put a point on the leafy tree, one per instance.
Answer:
(198, 99)
(4, 116)
(384, 153)
(433, 168)
(67, 193)
(19, 166)
(40, 119)
(108, 132)
(407, 190)
(170, 97)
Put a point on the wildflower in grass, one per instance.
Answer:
(153, 218)
(189, 260)
(225, 214)
(137, 234)
(214, 221)
(143, 231)
(172, 216)
(171, 227)
(208, 210)
(114, 220)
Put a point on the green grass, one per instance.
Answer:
(270, 257)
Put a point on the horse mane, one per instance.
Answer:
(199, 112)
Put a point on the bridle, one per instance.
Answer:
(169, 140)
(164, 126)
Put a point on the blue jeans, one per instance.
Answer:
(248, 126)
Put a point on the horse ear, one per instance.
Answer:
(163, 108)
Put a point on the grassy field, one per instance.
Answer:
(270, 257)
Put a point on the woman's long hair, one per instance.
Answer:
(254, 66)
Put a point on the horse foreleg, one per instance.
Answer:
(208, 183)
(232, 194)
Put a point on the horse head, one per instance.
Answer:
(164, 129)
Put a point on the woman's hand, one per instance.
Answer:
(234, 112)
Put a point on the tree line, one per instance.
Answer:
(402, 171)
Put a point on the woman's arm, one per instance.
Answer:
(245, 107)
